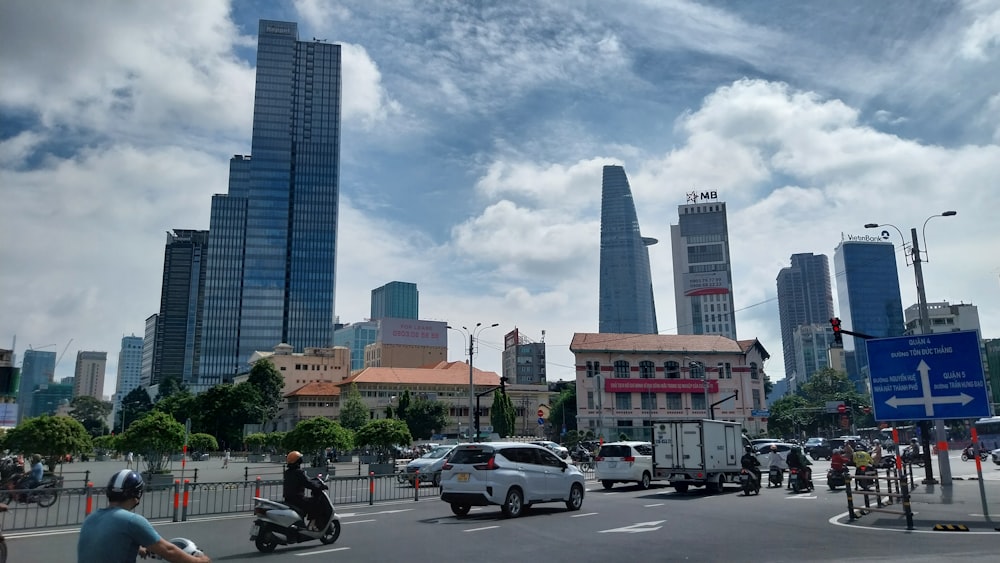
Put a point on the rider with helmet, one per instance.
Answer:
(295, 484)
(750, 462)
(116, 533)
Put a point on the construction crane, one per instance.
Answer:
(61, 355)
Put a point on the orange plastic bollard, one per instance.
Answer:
(186, 481)
(256, 491)
(177, 495)
(90, 498)
(371, 482)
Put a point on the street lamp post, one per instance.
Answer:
(472, 334)
(944, 466)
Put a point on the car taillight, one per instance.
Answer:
(259, 511)
(446, 467)
(599, 458)
(491, 464)
(629, 459)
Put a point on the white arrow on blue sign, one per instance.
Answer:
(541, 421)
(931, 376)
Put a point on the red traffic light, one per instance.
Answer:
(842, 408)
(835, 322)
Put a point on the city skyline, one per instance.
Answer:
(472, 152)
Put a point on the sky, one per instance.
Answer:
(473, 138)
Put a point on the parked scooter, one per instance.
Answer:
(749, 482)
(279, 524)
(837, 477)
(798, 481)
(776, 476)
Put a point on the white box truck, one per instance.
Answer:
(698, 453)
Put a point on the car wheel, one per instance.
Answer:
(460, 509)
(644, 483)
(607, 484)
(575, 497)
(716, 487)
(681, 487)
(513, 505)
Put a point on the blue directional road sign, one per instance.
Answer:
(541, 421)
(925, 377)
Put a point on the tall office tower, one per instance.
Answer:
(703, 275)
(273, 241)
(89, 376)
(626, 293)
(177, 342)
(396, 300)
(129, 370)
(869, 298)
(148, 347)
(805, 297)
(39, 367)
(355, 337)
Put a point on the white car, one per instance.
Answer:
(555, 448)
(624, 462)
(995, 454)
(763, 452)
(512, 475)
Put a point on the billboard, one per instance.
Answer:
(412, 332)
(613, 385)
(708, 283)
(510, 339)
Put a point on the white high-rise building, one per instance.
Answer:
(943, 317)
(129, 370)
(703, 275)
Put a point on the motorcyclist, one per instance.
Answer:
(295, 484)
(774, 460)
(797, 460)
(839, 461)
(35, 476)
(751, 463)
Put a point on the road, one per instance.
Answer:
(623, 523)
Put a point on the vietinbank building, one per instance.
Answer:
(703, 274)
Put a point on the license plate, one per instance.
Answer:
(463, 477)
(612, 464)
(253, 531)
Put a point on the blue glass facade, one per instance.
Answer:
(178, 340)
(805, 297)
(626, 285)
(395, 300)
(277, 228)
(38, 368)
(355, 337)
(869, 299)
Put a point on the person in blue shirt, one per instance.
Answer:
(37, 473)
(116, 534)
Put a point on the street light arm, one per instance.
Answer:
(877, 225)
(923, 230)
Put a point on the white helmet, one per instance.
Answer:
(187, 546)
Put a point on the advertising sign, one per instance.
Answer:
(411, 332)
(708, 283)
(612, 385)
(510, 339)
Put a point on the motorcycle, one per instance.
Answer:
(798, 480)
(836, 477)
(865, 471)
(279, 524)
(911, 456)
(887, 462)
(185, 545)
(969, 453)
(776, 476)
(748, 480)
(45, 494)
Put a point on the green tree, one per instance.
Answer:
(180, 404)
(503, 415)
(53, 437)
(563, 412)
(106, 444)
(768, 386)
(224, 409)
(403, 405)
(266, 379)
(275, 440)
(788, 415)
(353, 412)
(92, 413)
(381, 435)
(135, 405)
(201, 442)
(424, 417)
(255, 441)
(155, 436)
(318, 433)
(168, 386)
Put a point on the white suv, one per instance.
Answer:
(621, 462)
(512, 475)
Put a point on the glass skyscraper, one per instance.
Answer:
(177, 340)
(273, 237)
(129, 371)
(805, 297)
(626, 292)
(703, 275)
(396, 300)
(355, 337)
(869, 299)
(38, 368)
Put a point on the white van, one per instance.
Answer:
(624, 462)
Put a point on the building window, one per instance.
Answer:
(626, 423)
(728, 370)
(590, 369)
(697, 370)
(648, 401)
(647, 369)
(698, 401)
(674, 402)
(754, 372)
(621, 369)
(623, 401)
(590, 400)
(672, 370)
(756, 399)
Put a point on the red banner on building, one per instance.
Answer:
(660, 385)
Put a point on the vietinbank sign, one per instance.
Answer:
(881, 237)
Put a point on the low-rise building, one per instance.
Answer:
(626, 381)
(319, 398)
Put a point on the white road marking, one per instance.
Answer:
(359, 521)
(801, 496)
(636, 528)
(480, 529)
(582, 515)
(323, 551)
(835, 520)
(652, 505)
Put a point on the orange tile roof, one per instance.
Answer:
(690, 343)
(316, 389)
(748, 345)
(444, 373)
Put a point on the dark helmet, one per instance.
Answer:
(124, 485)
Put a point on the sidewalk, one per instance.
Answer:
(950, 509)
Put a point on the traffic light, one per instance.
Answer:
(503, 385)
(837, 336)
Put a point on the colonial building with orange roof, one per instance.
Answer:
(626, 381)
(320, 398)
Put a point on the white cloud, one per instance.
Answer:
(364, 98)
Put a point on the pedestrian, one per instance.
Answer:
(128, 460)
(225, 460)
(117, 533)
(877, 454)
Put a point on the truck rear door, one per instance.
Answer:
(690, 445)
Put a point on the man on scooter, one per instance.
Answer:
(751, 463)
(797, 460)
(295, 484)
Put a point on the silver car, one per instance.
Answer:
(429, 466)
(509, 474)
